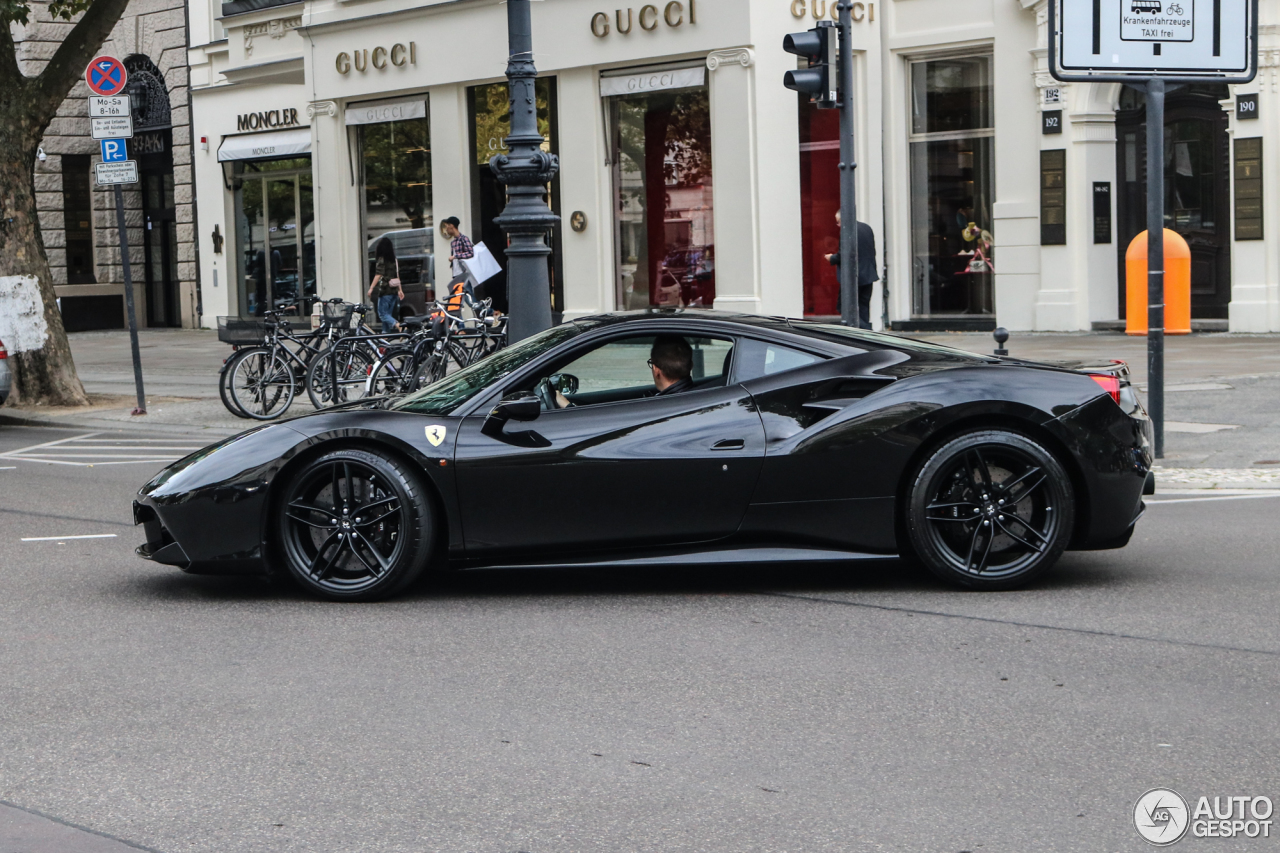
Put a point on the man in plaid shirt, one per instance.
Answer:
(459, 245)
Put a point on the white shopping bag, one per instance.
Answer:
(483, 266)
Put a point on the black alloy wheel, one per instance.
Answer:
(355, 525)
(990, 510)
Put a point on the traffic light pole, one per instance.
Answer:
(848, 198)
(1155, 259)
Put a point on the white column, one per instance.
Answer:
(451, 163)
(337, 266)
(1255, 264)
(1016, 213)
(585, 186)
(736, 189)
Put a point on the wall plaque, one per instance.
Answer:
(1248, 189)
(1102, 211)
(1051, 121)
(1053, 198)
(1246, 107)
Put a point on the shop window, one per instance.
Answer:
(819, 203)
(395, 169)
(490, 126)
(275, 236)
(664, 234)
(952, 188)
(77, 212)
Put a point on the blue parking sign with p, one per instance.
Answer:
(114, 151)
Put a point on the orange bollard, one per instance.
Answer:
(1177, 285)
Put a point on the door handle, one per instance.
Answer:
(730, 444)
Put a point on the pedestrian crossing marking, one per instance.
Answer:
(89, 449)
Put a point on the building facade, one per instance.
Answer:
(78, 219)
(691, 176)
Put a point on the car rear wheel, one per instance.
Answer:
(990, 510)
(355, 525)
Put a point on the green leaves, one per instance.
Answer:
(18, 11)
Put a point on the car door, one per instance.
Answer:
(644, 471)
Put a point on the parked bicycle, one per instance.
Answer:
(341, 373)
(445, 337)
(259, 380)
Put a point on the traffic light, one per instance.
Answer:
(819, 80)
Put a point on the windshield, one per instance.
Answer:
(441, 398)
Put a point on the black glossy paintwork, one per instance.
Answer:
(824, 457)
(645, 472)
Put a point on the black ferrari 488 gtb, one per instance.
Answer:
(770, 441)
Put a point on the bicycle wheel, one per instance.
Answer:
(393, 374)
(262, 384)
(224, 384)
(339, 375)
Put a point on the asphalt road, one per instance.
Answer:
(771, 710)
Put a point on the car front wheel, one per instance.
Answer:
(355, 525)
(990, 510)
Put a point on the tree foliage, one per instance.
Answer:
(18, 11)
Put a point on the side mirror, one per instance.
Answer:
(519, 407)
(565, 383)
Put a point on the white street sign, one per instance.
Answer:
(1127, 39)
(116, 127)
(122, 172)
(110, 105)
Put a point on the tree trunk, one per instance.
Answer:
(44, 376)
(43, 370)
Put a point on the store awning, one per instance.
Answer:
(265, 146)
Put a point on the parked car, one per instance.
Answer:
(6, 376)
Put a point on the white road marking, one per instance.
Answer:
(1181, 426)
(1215, 498)
(97, 448)
(64, 538)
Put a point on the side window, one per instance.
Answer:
(758, 358)
(619, 370)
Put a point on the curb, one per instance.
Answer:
(7, 419)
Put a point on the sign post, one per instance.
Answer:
(111, 118)
(1149, 44)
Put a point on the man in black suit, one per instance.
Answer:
(867, 270)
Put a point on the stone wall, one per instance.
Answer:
(156, 29)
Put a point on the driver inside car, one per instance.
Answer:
(670, 360)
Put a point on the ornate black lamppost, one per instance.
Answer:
(526, 170)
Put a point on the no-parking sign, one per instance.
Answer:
(106, 76)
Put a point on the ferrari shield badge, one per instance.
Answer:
(435, 434)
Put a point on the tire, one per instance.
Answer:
(353, 366)
(262, 384)
(333, 551)
(224, 385)
(989, 510)
(393, 374)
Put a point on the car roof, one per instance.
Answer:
(828, 334)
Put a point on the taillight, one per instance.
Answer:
(1109, 383)
(4, 353)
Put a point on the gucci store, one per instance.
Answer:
(691, 177)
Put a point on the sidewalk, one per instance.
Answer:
(1223, 391)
